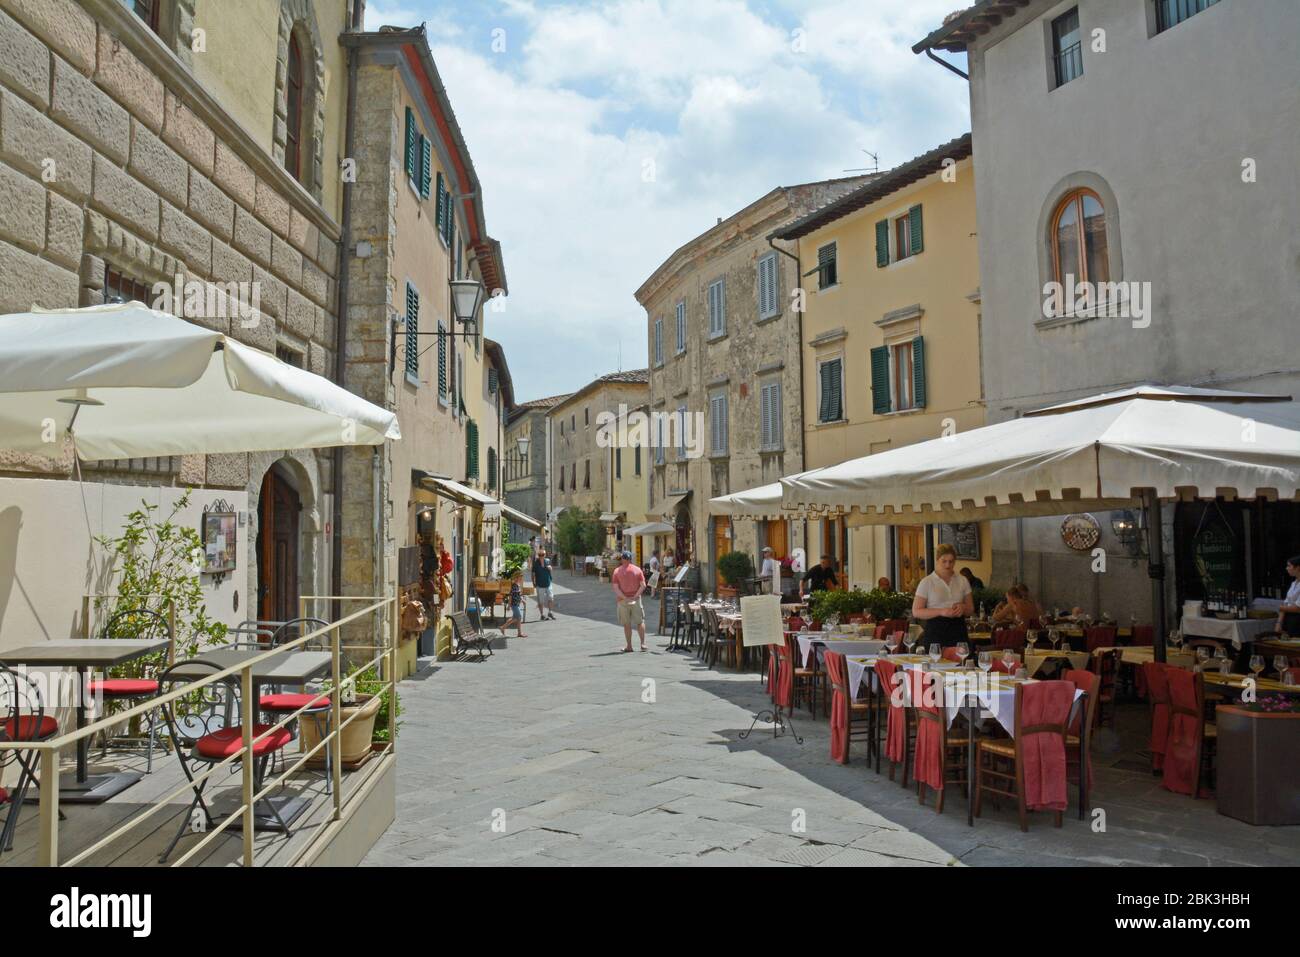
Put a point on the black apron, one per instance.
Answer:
(948, 632)
(1291, 624)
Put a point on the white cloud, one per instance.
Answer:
(391, 15)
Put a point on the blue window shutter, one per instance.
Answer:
(408, 155)
(918, 240)
(918, 371)
(882, 243)
(881, 401)
(412, 328)
(426, 165)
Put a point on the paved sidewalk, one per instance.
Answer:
(559, 749)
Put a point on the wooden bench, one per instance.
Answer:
(469, 636)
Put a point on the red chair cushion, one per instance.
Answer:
(292, 701)
(124, 687)
(224, 743)
(25, 728)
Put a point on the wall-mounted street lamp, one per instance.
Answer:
(466, 297)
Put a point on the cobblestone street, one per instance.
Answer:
(551, 740)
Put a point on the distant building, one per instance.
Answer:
(526, 473)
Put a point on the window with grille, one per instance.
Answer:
(769, 291)
(830, 401)
(770, 407)
(717, 308)
(1067, 47)
(120, 288)
(289, 356)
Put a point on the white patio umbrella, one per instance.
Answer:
(126, 381)
(650, 528)
(1145, 444)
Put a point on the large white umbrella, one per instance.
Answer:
(127, 381)
(1100, 452)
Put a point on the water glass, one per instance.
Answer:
(1281, 664)
(936, 652)
(986, 661)
(963, 650)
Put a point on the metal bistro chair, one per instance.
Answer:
(23, 719)
(133, 623)
(206, 723)
(278, 702)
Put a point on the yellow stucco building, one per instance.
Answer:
(891, 345)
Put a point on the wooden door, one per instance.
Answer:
(778, 536)
(277, 549)
(911, 557)
(722, 539)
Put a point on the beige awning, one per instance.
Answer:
(461, 494)
(610, 518)
(672, 503)
(650, 528)
(520, 518)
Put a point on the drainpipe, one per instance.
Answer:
(946, 65)
(798, 272)
(341, 312)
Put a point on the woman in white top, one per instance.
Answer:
(943, 601)
(1288, 616)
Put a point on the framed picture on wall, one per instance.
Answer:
(965, 537)
(219, 539)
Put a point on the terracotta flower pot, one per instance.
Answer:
(356, 736)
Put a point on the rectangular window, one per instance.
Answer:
(442, 363)
(412, 145)
(827, 271)
(681, 431)
(771, 415)
(586, 418)
(659, 438)
(769, 287)
(561, 486)
(830, 400)
(149, 11)
(573, 478)
(412, 333)
(1067, 47)
(586, 473)
(718, 309)
(120, 288)
(1170, 13)
(901, 366)
(471, 449)
(618, 463)
(903, 237)
(718, 424)
(288, 356)
(659, 342)
(636, 460)
(681, 327)
(426, 166)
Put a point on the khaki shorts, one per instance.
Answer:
(631, 614)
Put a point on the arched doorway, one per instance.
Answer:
(278, 508)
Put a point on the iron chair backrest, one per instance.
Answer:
(295, 628)
(20, 698)
(210, 708)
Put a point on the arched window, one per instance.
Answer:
(293, 117)
(1078, 238)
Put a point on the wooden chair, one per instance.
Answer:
(940, 757)
(1100, 636)
(1158, 698)
(802, 679)
(1013, 638)
(1190, 750)
(1004, 761)
(1106, 666)
(899, 727)
(1078, 756)
(468, 635)
(850, 718)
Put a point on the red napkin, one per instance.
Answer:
(1045, 702)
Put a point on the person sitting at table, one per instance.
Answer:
(821, 576)
(971, 580)
(884, 584)
(1017, 606)
(1288, 616)
(943, 601)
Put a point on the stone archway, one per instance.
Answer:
(298, 19)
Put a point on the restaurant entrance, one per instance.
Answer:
(911, 557)
(278, 509)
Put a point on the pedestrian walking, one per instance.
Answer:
(542, 584)
(628, 582)
(516, 604)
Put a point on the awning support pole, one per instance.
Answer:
(1156, 569)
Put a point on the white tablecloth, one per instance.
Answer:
(845, 646)
(1235, 630)
(995, 693)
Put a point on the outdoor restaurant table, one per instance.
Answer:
(1239, 631)
(1277, 645)
(844, 644)
(282, 668)
(85, 654)
(1036, 659)
(1235, 682)
(1140, 654)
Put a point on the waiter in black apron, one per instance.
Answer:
(1288, 618)
(943, 601)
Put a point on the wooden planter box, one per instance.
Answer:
(1258, 779)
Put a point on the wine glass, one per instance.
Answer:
(1031, 639)
(963, 652)
(1219, 653)
(892, 641)
(1281, 664)
(1009, 661)
(1202, 656)
(1256, 664)
(1065, 647)
(910, 642)
(936, 652)
(1176, 637)
(1054, 635)
(986, 661)
(1288, 678)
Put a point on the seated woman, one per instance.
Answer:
(1018, 605)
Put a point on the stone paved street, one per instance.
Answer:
(551, 740)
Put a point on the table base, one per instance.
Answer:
(96, 789)
(291, 807)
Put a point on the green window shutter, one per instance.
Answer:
(471, 449)
(408, 155)
(918, 370)
(426, 165)
(441, 210)
(412, 330)
(442, 364)
(451, 227)
(880, 398)
(832, 397)
(492, 469)
(918, 240)
(882, 243)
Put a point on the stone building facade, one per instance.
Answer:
(723, 338)
(134, 151)
(526, 477)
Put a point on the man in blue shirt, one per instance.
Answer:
(542, 582)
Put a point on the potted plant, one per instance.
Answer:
(364, 698)
(1257, 781)
(734, 568)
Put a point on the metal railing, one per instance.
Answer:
(385, 660)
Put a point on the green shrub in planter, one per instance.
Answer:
(736, 567)
(884, 605)
(841, 603)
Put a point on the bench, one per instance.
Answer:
(468, 635)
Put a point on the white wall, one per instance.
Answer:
(48, 561)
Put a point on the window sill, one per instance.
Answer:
(912, 411)
(764, 320)
(412, 380)
(830, 423)
(773, 450)
(1098, 311)
(831, 288)
(717, 338)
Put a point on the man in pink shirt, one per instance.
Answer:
(628, 582)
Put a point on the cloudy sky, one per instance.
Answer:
(607, 134)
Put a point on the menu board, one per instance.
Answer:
(219, 542)
(760, 619)
(965, 537)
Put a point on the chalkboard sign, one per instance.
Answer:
(964, 537)
(669, 599)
